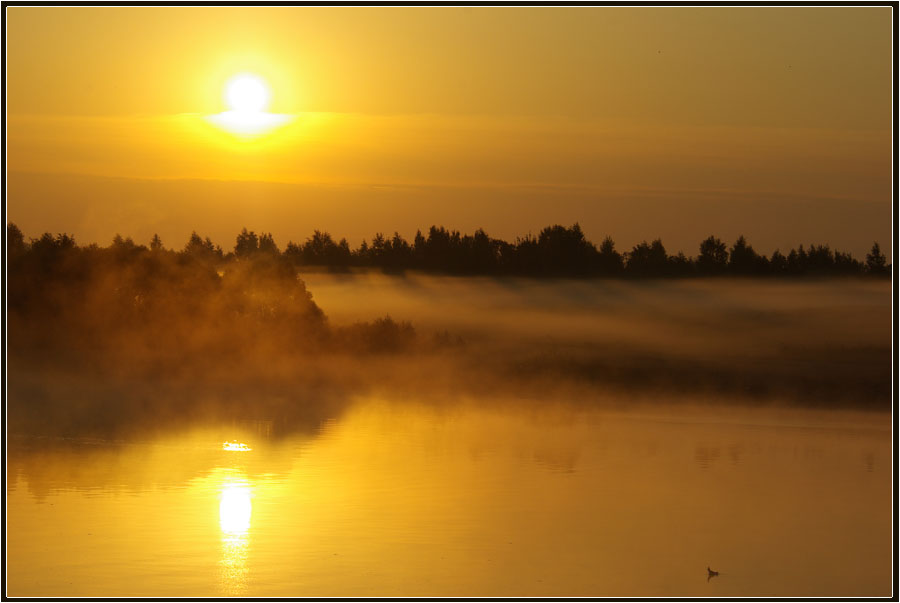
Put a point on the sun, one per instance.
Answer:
(247, 93)
(247, 97)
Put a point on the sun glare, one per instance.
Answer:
(235, 509)
(247, 97)
(247, 93)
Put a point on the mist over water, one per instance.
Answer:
(256, 344)
(446, 436)
(817, 343)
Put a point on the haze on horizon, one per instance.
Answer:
(637, 122)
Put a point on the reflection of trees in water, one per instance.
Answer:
(562, 459)
(706, 456)
(869, 460)
(52, 464)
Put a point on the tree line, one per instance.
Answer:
(557, 251)
(161, 307)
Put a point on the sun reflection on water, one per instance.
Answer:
(235, 510)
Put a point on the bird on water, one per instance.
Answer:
(710, 573)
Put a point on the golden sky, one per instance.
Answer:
(638, 122)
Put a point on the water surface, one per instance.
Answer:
(398, 498)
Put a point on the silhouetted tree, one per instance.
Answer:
(383, 335)
(609, 261)
(819, 260)
(778, 264)
(397, 253)
(844, 263)
(124, 250)
(202, 249)
(247, 244)
(565, 251)
(377, 250)
(317, 248)
(267, 244)
(436, 250)
(526, 258)
(419, 251)
(647, 260)
(713, 258)
(796, 261)
(743, 260)
(48, 246)
(556, 252)
(482, 253)
(15, 241)
(876, 262)
(361, 255)
(680, 265)
(293, 252)
(506, 256)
